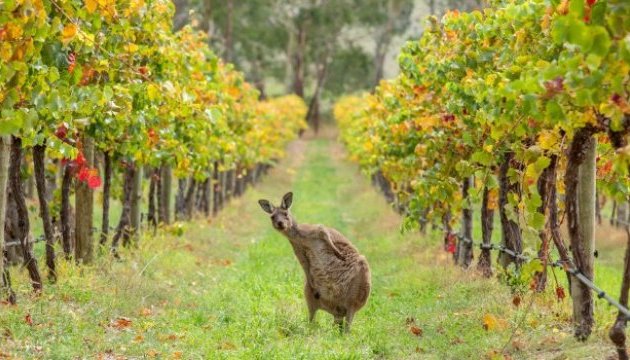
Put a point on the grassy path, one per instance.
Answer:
(231, 288)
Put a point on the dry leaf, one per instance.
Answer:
(227, 346)
(152, 353)
(146, 312)
(121, 323)
(28, 319)
(560, 294)
(415, 330)
(516, 300)
(177, 355)
(68, 33)
(489, 322)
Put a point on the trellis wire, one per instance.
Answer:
(572, 270)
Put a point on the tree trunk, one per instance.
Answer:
(487, 225)
(5, 150)
(180, 200)
(618, 331)
(298, 61)
(580, 211)
(229, 27)
(165, 194)
(189, 202)
(67, 237)
(216, 190)
(23, 225)
(107, 185)
(229, 182)
(553, 222)
(382, 46)
(39, 170)
(613, 213)
(622, 212)
(84, 205)
(135, 215)
(122, 230)
(205, 197)
(510, 230)
(465, 253)
(544, 187)
(151, 213)
(312, 116)
(158, 195)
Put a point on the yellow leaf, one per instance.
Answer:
(68, 33)
(489, 322)
(13, 31)
(548, 139)
(5, 51)
(131, 48)
(91, 5)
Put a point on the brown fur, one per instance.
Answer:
(337, 276)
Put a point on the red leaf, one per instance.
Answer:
(62, 131)
(94, 182)
(84, 174)
(416, 330)
(28, 320)
(450, 243)
(560, 294)
(80, 160)
(516, 300)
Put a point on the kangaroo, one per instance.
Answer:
(337, 277)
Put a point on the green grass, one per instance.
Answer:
(232, 288)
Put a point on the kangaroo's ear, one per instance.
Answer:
(266, 206)
(287, 200)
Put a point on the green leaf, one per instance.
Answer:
(598, 12)
(579, 34)
(11, 122)
(554, 112)
(560, 30)
(482, 158)
(601, 41)
(576, 8)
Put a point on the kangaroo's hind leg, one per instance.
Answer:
(349, 317)
(312, 301)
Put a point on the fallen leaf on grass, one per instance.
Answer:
(28, 320)
(416, 330)
(109, 355)
(146, 312)
(138, 339)
(169, 337)
(227, 346)
(491, 322)
(152, 353)
(496, 355)
(560, 294)
(177, 355)
(121, 323)
(516, 300)
(225, 262)
(518, 345)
